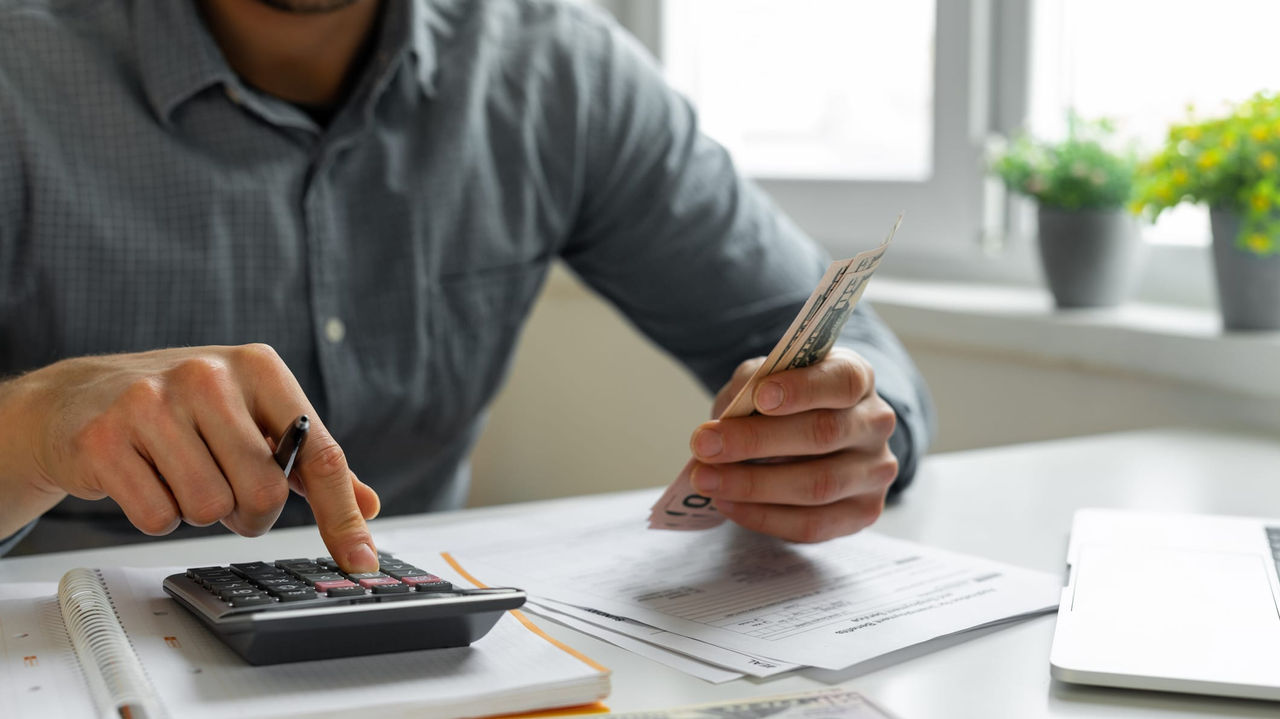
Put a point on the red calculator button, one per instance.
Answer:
(333, 584)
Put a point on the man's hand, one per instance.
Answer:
(180, 435)
(821, 449)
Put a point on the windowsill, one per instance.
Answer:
(1156, 341)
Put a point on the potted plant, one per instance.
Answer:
(1088, 240)
(1231, 164)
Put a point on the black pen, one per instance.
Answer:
(290, 442)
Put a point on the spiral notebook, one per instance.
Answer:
(112, 644)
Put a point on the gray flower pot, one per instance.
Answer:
(1090, 257)
(1248, 285)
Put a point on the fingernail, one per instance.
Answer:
(707, 443)
(706, 479)
(362, 559)
(769, 396)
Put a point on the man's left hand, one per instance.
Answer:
(814, 464)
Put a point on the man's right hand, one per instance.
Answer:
(177, 435)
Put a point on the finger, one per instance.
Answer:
(815, 482)
(132, 482)
(330, 489)
(842, 379)
(819, 431)
(275, 399)
(169, 439)
(237, 444)
(806, 524)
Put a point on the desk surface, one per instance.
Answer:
(1010, 503)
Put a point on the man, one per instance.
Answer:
(218, 215)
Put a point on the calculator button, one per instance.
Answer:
(357, 576)
(428, 583)
(402, 572)
(276, 581)
(279, 589)
(229, 594)
(214, 585)
(377, 581)
(286, 563)
(295, 595)
(325, 577)
(250, 569)
(219, 587)
(391, 588)
(349, 591)
(334, 584)
(251, 600)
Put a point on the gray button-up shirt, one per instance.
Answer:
(150, 198)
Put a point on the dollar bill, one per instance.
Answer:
(823, 704)
(809, 338)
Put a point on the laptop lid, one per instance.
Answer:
(1184, 603)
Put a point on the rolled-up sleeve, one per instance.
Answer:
(695, 255)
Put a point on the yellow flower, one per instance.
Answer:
(1164, 192)
(1260, 132)
(1260, 201)
(1259, 243)
(1191, 133)
(1209, 159)
(1267, 161)
(1180, 176)
(1136, 206)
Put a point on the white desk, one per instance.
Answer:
(1012, 503)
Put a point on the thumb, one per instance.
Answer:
(367, 498)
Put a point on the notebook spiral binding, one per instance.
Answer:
(118, 683)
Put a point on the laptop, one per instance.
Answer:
(1179, 603)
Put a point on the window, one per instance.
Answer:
(845, 111)
(785, 87)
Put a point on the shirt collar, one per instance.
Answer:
(179, 58)
(177, 55)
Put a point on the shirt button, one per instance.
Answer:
(334, 330)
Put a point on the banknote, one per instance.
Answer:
(809, 338)
(833, 703)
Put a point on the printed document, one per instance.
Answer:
(830, 605)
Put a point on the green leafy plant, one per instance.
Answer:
(1228, 163)
(1083, 172)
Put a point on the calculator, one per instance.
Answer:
(302, 609)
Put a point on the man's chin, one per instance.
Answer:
(308, 7)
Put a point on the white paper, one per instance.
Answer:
(28, 590)
(829, 605)
(675, 660)
(736, 661)
(39, 675)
